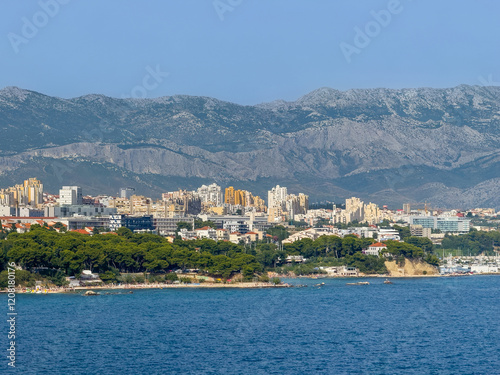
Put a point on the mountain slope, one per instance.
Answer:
(388, 146)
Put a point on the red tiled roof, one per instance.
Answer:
(82, 231)
(24, 218)
(378, 244)
(204, 228)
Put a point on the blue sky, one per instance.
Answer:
(245, 51)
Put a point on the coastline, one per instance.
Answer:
(131, 287)
(243, 285)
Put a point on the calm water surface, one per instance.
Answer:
(415, 326)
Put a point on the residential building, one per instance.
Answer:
(78, 210)
(134, 223)
(388, 234)
(168, 225)
(276, 197)
(30, 193)
(222, 234)
(126, 192)
(206, 232)
(375, 249)
(211, 193)
(240, 226)
(70, 195)
(419, 231)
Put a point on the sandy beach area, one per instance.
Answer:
(148, 286)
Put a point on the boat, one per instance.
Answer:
(359, 283)
(388, 282)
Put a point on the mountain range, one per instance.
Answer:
(388, 146)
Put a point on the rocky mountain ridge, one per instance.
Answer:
(384, 145)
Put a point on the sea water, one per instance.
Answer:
(414, 326)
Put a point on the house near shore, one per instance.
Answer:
(295, 259)
(375, 249)
(87, 277)
(341, 271)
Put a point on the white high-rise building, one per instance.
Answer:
(127, 192)
(70, 195)
(211, 193)
(276, 197)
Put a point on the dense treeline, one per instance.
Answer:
(67, 254)
(474, 242)
(336, 251)
(127, 252)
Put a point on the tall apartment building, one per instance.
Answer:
(70, 196)
(237, 197)
(276, 197)
(211, 193)
(30, 193)
(407, 208)
(371, 213)
(243, 198)
(127, 192)
(182, 202)
(229, 195)
(355, 209)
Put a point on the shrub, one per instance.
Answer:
(129, 279)
(276, 280)
(139, 279)
(264, 278)
(172, 276)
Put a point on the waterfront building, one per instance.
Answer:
(375, 249)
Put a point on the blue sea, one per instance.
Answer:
(414, 326)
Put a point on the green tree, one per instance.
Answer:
(423, 242)
(124, 232)
(403, 231)
(279, 232)
(183, 225)
(276, 280)
(198, 223)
